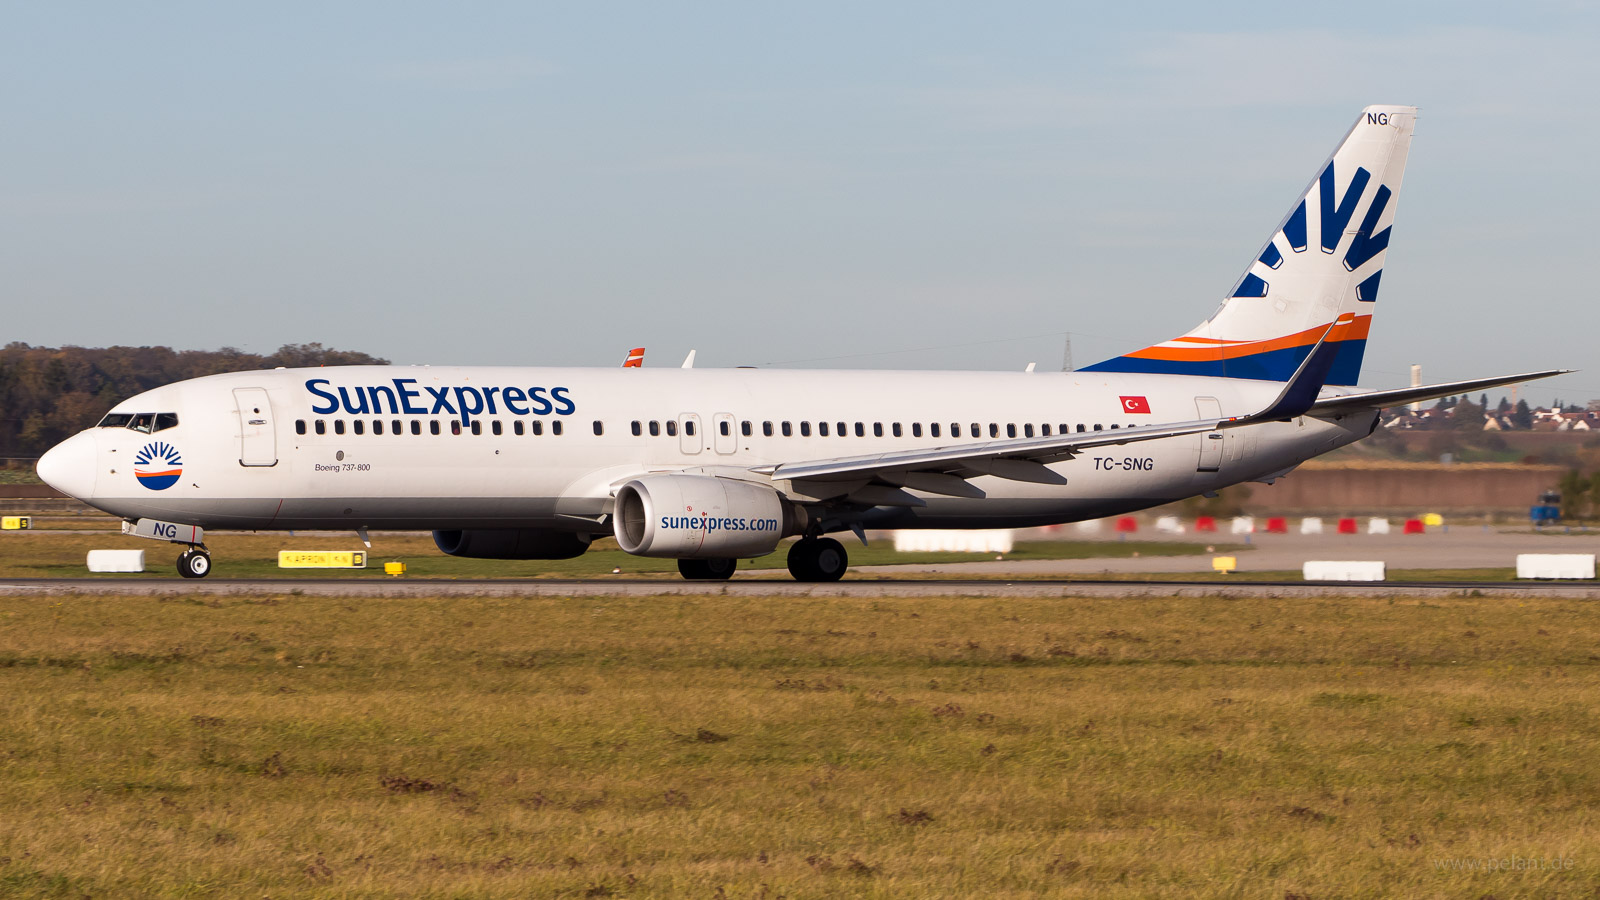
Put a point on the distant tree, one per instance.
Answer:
(1523, 416)
(1504, 407)
(1466, 416)
(48, 393)
(1575, 496)
(1483, 402)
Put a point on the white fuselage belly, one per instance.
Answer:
(565, 481)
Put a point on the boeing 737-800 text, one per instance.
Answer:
(712, 466)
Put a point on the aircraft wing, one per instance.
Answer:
(1328, 406)
(944, 470)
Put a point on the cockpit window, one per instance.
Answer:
(143, 422)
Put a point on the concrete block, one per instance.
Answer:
(1311, 526)
(1377, 526)
(116, 560)
(1244, 524)
(1555, 565)
(947, 540)
(1342, 570)
(1169, 525)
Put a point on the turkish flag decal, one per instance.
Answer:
(1135, 405)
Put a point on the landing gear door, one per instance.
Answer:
(258, 440)
(1211, 442)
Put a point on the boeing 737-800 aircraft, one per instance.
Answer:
(712, 466)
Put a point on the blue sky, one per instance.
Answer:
(914, 185)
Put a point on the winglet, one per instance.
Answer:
(1301, 391)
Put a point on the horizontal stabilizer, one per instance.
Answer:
(1343, 403)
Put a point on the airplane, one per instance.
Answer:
(712, 466)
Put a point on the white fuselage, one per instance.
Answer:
(281, 449)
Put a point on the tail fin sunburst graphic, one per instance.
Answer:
(1323, 263)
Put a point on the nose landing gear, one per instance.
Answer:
(194, 562)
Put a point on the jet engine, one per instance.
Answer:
(702, 517)
(512, 543)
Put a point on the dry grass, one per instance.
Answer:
(744, 747)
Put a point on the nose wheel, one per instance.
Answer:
(194, 563)
(818, 559)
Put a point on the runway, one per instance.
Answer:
(605, 587)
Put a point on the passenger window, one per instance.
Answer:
(688, 428)
(822, 429)
(994, 430)
(416, 427)
(496, 427)
(536, 428)
(766, 429)
(977, 430)
(1097, 426)
(394, 427)
(321, 427)
(455, 426)
(477, 427)
(299, 426)
(1080, 427)
(896, 429)
(636, 428)
(861, 429)
(1115, 425)
(724, 429)
(841, 431)
(338, 426)
(672, 428)
(655, 428)
(805, 429)
(555, 427)
(955, 429)
(1044, 430)
(1011, 429)
(599, 429)
(1027, 431)
(744, 428)
(788, 430)
(377, 426)
(166, 420)
(516, 427)
(916, 429)
(877, 429)
(359, 426)
(433, 426)
(933, 429)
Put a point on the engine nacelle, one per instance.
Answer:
(701, 517)
(512, 543)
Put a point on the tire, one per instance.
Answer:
(707, 569)
(830, 560)
(194, 564)
(802, 560)
(818, 559)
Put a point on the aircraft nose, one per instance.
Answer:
(70, 466)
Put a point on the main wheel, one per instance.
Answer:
(194, 564)
(818, 559)
(707, 569)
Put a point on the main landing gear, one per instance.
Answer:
(194, 562)
(707, 569)
(817, 559)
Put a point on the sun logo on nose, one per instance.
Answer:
(158, 465)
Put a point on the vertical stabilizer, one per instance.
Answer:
(1323, 262)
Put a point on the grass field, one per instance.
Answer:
(46, 554)
(722, 746)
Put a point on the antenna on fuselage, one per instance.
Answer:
(688, 361)
(1066, 354)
